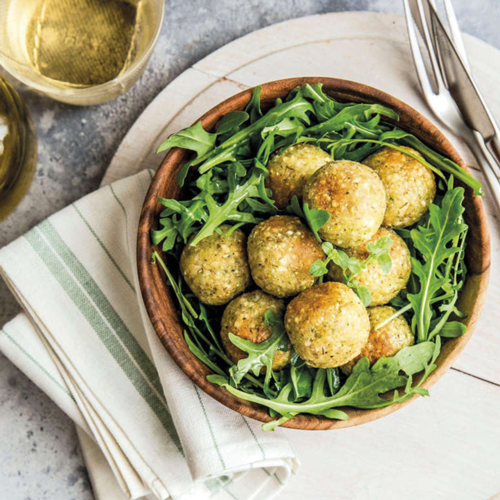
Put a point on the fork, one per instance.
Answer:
(436, 92)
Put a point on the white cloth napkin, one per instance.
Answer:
(86, 340)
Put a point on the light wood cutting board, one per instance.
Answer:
(442, 447)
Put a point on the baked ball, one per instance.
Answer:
(383, 287)
(289, 171)
(327, 325)
(385, 341)
(280, 252)
(353, 195)
(245, 317)
(216, 269)
(410, 186)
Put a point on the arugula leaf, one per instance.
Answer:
(353, 112)
(452, 329)
(295, 208)
(218, 156)
(189, 213)
(315, 218)
(433, 244)
(201, 355)
(301, 377)
(260, 355)
(211, 184)
(285, 128)
(367, 129)
(433, 160)
(455, 269)
(315, 92)
(333, 378)
(231, 121)
(437, 159)
(168, 234)
(283, 397)
(229, 210)
(337, 148)
(324, 106)
(298, 108)
(178, 221)
(363, 388)
(352, 267)
(265, 150)
(363, 293)
(194, 138)
(253, 107)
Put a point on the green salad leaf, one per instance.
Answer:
(315, 93)
(260, 355)
(355, 112)
(301, 378)
(285, 128)
(253, 107)
(168, 234)
(435, 244)
(202, 347)
(363, 388)
(194, 138)
(229, 210)
(434, 158)
(316, 219)
(352, 267)
(231, 121)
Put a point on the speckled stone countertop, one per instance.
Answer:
(39, 455)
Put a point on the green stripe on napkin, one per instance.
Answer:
(95, 319)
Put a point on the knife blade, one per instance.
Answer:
(457, 78)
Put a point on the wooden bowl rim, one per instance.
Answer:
(152, 285)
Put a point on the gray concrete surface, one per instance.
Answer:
(39, 456)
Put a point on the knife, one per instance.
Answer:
(458, 79)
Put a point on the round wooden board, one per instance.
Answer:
(459, 421)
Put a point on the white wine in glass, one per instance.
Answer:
(17, 149)
(78, 51)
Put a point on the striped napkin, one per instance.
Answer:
(85, 339)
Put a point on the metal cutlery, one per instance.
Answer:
(449, 89)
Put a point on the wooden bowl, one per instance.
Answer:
(161, 304)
